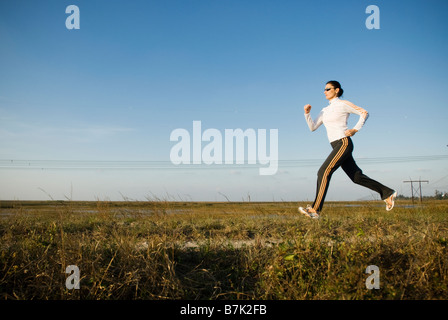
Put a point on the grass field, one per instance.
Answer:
(193, 250)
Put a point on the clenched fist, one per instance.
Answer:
(307, 108)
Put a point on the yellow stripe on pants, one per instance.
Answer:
(327, 172)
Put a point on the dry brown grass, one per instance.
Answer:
(175, 250)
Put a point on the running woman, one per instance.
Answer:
(334, 118)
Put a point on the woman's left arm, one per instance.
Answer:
(363, 115)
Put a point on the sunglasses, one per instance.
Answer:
(328, 89)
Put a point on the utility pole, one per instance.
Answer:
(419, 190)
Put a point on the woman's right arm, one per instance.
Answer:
(313, 125)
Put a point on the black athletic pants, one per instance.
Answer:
(341, 156)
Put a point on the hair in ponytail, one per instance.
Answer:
(336, 85)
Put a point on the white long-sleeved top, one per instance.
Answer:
(335, 116)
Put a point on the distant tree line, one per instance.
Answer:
(438, 195)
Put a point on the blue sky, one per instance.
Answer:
(74, 103)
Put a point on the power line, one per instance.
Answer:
(419, 190)
(166, 164)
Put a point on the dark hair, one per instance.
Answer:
(336, 85)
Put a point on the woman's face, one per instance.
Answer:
(330, 91)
